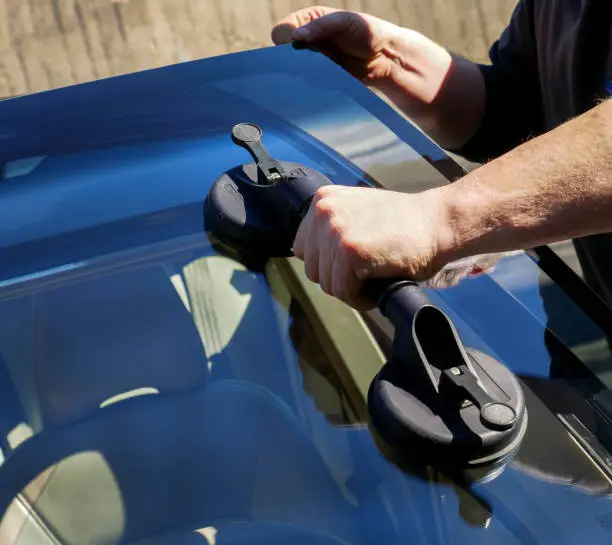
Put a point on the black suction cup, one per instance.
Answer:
(439, 401)
(255, 209)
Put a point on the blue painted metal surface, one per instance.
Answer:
(103, 258)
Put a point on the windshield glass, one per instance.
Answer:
(154, 391)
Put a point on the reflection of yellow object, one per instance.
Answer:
(93, 512)
(128, 395)
(240, 315)
(181, 290)
(217, 306)
(341, 332)
(22, 167)
(20, 433)
(209, 533)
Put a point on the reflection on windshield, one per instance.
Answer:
(236, 412)
(127, 413)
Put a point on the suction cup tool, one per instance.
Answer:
(438, 400)
(435, 399)
(255, 209)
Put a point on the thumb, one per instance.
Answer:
(328, 28)
(310, 18)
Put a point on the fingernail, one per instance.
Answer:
(301, 33)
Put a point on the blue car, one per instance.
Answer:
(156, 390)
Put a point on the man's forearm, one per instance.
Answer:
(442, 93)
(554, 187)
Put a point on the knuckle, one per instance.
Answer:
(324, 191)
(351, 250)
(336, 228)
(323, 207)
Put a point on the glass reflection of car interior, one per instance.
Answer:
(154, 390)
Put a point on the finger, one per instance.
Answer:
(329, 28)
(305, 247)
(348, 287)
(299, 243)
(311, 261)
(282, 33)
(326, 265)
(352, 64)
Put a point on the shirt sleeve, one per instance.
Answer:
(513, 110)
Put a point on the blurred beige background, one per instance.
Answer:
(51, 43)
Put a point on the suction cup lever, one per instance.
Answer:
(248, 136)
(494, 414)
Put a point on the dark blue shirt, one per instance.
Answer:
(552, 63)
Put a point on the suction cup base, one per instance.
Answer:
(415, 424)
(244, 215)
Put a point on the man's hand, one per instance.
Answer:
(352, 233)
(360, 43)
(443, 94)
(553, 187)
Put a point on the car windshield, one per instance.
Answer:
(154, 390)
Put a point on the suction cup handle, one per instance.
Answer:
(248, 136)
(402, 301)
(397, 298)
(494, 414)
(283, 192)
